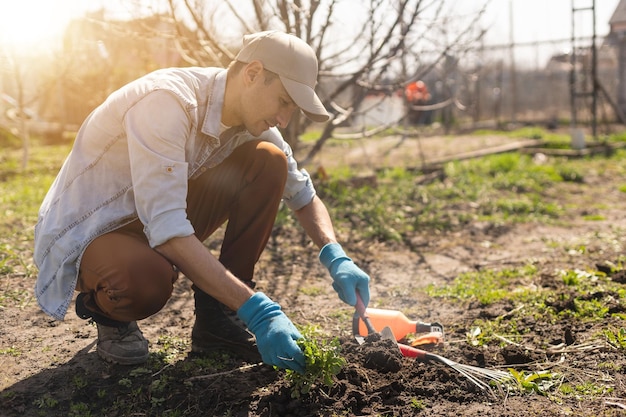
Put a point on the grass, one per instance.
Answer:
(588, 299)
(21, 194)
(488, 286)
(499, 189)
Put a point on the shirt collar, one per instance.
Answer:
(211, 125)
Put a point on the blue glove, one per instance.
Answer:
(347, 277)
(275, 334)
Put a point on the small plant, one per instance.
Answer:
(12, 351)
(616, 338)
(46, 402)
(417, 404)
(125, 382)
(536, 382)
(79, 409)
(170, 348)
(323, 362)
(79, 382)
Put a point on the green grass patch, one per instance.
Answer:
(487, 286)
(313, 291)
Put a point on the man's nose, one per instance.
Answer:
(284, 116)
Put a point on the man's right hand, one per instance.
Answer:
(276, 335)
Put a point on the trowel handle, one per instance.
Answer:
(362, 312)
(411, 352)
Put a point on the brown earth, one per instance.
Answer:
(49, 368)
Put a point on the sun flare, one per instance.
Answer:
(35, 23)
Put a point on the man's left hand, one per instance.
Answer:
(347, 277)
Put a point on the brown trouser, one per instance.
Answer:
(124, 279)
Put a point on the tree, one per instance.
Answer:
(385, 44)
(363, 46)
(18, 99)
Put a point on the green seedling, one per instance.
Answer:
(11, 351)
(45, 402)
(125, 382)
(616, 338)
(586, 389)
(323, 362)
(417, 404)
(80, 409)
(536, 382)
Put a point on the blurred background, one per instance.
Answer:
(418, 65)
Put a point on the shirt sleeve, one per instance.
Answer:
(299, 190)
(157, 128)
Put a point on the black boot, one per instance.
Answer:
(217, 327)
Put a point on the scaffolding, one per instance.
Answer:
(584, 71)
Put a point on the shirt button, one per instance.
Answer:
(203, 169)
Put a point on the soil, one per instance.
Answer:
(50, 368)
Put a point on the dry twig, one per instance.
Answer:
(232, 371)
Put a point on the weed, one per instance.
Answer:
(487, 286)
(79, 409)
(211, 360)
(586, 389)
(11, 351)
(312, 290)
(79, 382)
(171, 348)
(125, 382)
(593, 309)
(417, 404)
(594, 217)
(323, 362)
(46, 402)
(571, 174)
(535, 382)
(617, 338)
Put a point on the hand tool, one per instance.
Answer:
(472, 373)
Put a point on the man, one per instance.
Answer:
(154, 171)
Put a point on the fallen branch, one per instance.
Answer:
(232, 371)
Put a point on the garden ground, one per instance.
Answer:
(50, 368)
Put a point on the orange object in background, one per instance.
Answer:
(417, 92)
(431, 338)
(402, 326)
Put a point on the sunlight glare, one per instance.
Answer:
(35, 24)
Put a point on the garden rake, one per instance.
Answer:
(481, 377)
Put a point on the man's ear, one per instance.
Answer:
(252, 71)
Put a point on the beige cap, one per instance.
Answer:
(295, 63)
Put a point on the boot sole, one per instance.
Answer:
(121, 360)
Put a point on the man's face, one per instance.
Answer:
(265, 103)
